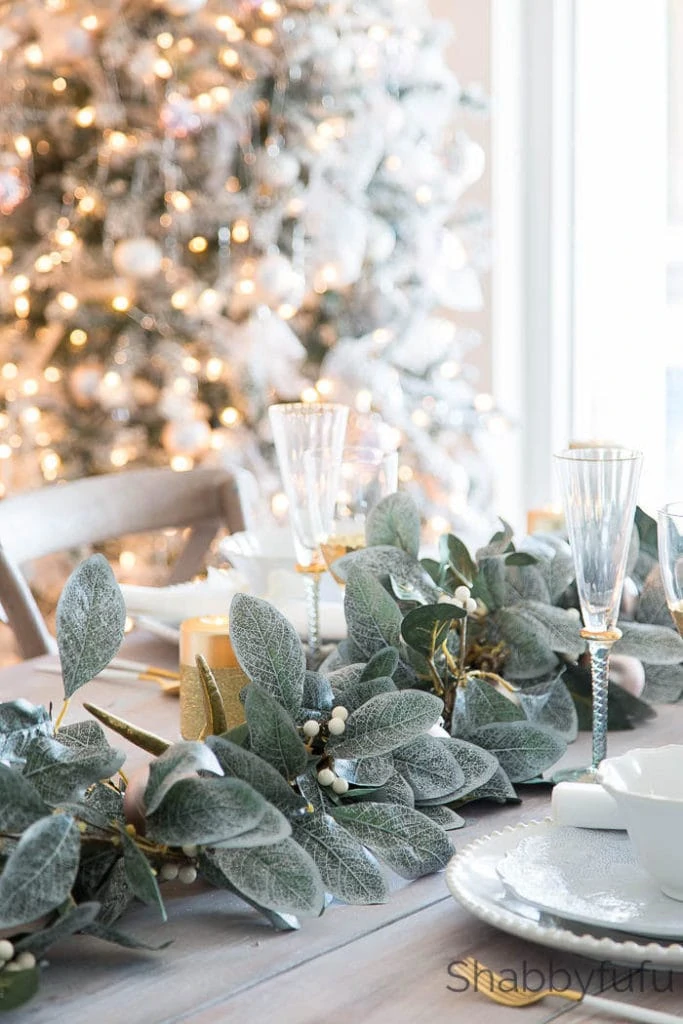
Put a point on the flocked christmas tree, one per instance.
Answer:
(210, 205)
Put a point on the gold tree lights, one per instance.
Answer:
(210, 206)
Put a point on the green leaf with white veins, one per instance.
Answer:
(560, 628)
(478, 767)
(140, 875)
(20, 803)
(428, 768)
(181, 761)
(21, 722)
(550, 705)
(349, 872)
(281, 877)
(90, 618)
(40, 870)
(527, 640)
(657, 645)
(525, 583)
(269, 650)
(523, 750)
(395, 521)
(273, 734)
(372, 617)
(251, 768)
(60, 773)
(386, 721)
(385, 562)
(206, 812)
(409, 842)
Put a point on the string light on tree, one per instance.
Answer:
(261, 201)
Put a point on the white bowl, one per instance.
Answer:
(257, 555)
(647, 784)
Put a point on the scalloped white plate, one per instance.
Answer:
(473, 880)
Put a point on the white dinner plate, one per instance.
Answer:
(591, 876)
(473, 880)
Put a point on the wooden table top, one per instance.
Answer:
(385, 964)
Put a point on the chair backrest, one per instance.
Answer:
(63, 516)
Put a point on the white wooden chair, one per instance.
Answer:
(62, 516)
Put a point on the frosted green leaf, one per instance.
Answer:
(477, 765)
(657, 645)
(139, 874)
(523, 750)
(75, 919)
(90, 618)
(60, 773)
(21, 722)
(268, 649)
(40, 870)
(428, 768)
(406, 840)
(372, 616)
(206, 812)
(273, 734)
(395, 521)
(251, 768)
(550, 705)
(20, 803)
(347, 869)
(385, 722)
(181, 761)
(282, 877)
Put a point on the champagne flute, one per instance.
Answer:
(599, 495)
(342, 491)
(670, 543)
(298, 427)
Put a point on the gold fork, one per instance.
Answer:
(500, 990)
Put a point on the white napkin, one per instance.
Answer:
(585, 805)
(211, 596)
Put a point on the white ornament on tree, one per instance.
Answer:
(186, 437)
(139, 258)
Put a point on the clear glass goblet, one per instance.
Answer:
(342, 491)
(599, 488)
(670, 544)
(298, 427)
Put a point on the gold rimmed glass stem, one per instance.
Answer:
(599, 488)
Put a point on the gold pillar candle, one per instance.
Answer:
(209, 636)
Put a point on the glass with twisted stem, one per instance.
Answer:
(343, 491)
(670, 544)
(298, 427)
(599, 488)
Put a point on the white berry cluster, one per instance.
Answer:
(335, 726)
(462, 598)
(186, 873)
(10, 962)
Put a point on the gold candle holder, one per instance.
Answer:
(209, 636)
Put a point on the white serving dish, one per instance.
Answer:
(647, 784)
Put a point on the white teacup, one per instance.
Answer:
(647, 785)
